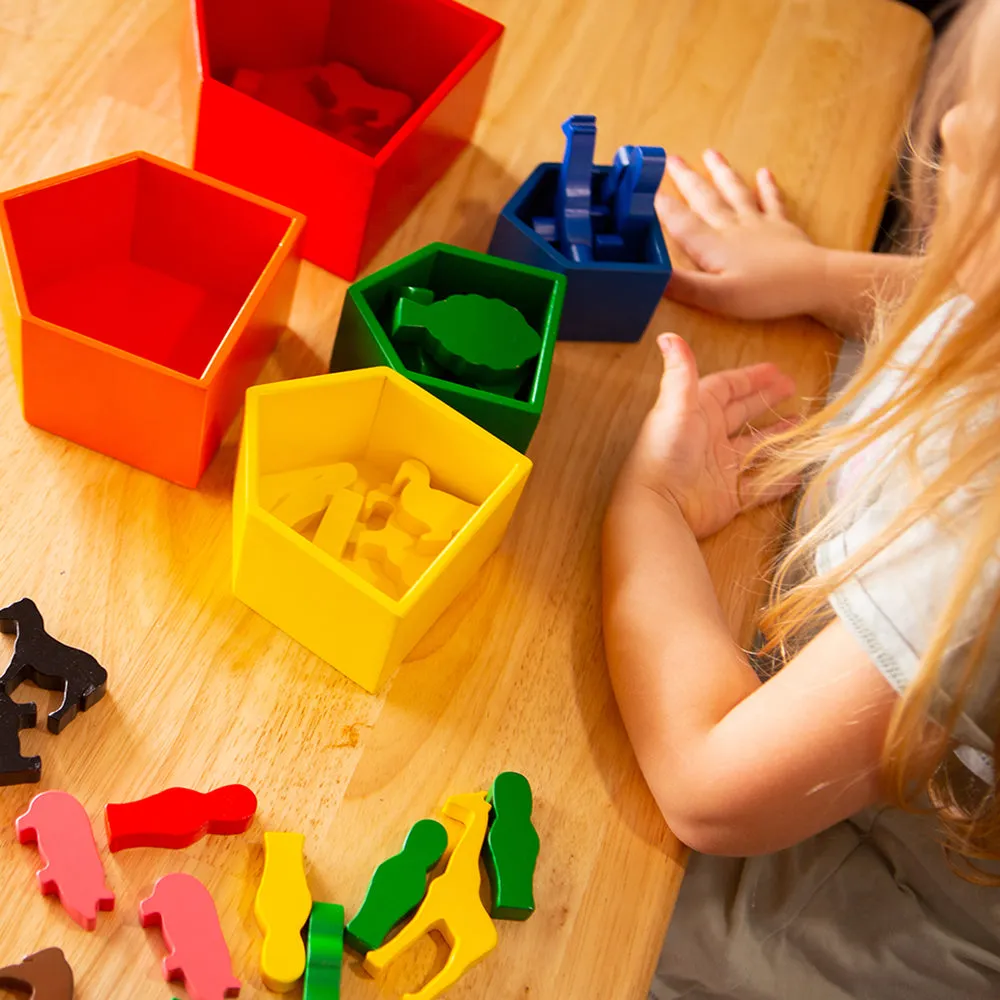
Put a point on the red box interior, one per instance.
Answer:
(406, 45)
(142, 258)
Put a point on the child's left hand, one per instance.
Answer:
(693, 442)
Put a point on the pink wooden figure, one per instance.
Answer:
(185, 913)
(61, 828)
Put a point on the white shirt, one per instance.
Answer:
(892, 605)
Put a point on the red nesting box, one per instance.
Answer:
(345, 110)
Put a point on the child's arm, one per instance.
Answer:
(736, 767)
(756, 264)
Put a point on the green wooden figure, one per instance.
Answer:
(397, 887)
(416, 359)
(511, 848)
(324, 952)
(479, 340)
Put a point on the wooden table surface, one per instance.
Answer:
(204, 692)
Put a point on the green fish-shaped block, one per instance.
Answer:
(479, 340)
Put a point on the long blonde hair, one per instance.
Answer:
(956, 382)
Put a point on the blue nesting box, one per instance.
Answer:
(604, 236)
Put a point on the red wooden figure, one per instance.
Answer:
(178, 817)
(73, 870)
(185, 913)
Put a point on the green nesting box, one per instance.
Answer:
(363, 337)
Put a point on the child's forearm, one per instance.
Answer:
(675, 668)
(849, 285)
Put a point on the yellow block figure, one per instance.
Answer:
(452, 906)
(282, 907)
(294, 496)
(393, 549)
(433, 515)
(334, 531)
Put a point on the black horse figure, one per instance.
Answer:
(52, 665)
(15, 769)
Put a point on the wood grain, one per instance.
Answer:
(204, 692)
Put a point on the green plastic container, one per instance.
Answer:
(363, 335)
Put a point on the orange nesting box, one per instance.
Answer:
(140, 299)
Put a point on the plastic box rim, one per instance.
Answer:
(520, 468)
(550, 333)
(510, 212)
(493, 30)
(284, 247)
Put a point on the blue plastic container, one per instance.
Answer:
(605, 300)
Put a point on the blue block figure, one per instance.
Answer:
(631, 188)
(573, 194)
(601, 231)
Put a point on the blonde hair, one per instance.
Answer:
(956, 382)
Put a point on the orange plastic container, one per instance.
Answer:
(140, 299)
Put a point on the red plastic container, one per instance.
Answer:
(438, 52)
(140, 299)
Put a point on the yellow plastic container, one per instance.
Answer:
(377, 416)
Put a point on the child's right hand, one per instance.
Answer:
(753, 262)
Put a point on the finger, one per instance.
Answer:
(744, 394)
(744, 444)
(729, 184)
(741, 412)
(696, 238)
(679, 382)
(702, 196)
(772, 201)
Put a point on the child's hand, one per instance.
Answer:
(754, 263)
(694, 440)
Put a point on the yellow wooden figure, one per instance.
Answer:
(452, 906)
(381, 502)
(432, 515)
(282, 907)
(299, 495)
(334, 531)
(394, 549)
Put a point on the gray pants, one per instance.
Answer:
(867, 910)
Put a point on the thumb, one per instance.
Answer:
(679, 382)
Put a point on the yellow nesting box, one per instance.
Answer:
(375, 418)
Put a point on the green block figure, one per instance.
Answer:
(416, 359)
(324, 952)
(479, 340)
(397, 887)
(511, 848)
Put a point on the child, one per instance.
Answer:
(850, 800)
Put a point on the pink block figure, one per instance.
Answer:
(186, 915)
(60, 826)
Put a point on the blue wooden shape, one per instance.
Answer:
(611, 298)
(630, 191)
(573, 196)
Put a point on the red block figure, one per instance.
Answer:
(178, 817)
(285, 90)
(183, 909)
(358, 112)
(436, 53)
(73, 870)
